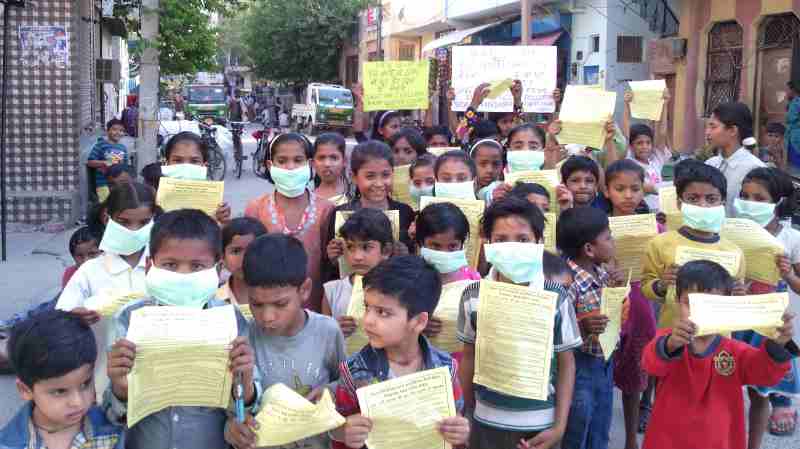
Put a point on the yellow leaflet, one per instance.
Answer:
(174, 194)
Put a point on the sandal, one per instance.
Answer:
(782, 422)
(644, 416)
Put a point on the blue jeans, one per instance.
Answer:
(590, 415)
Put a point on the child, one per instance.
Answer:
(83, 246)
(407, 145)
(400, 295)
(699, 401)
(385, 124)
(584, 237)
(438, 137)
(185, 249)
(701, 191)
(366, 240)
(768, 196)
(293, 209)
(372, 165)
(186, 157)
(455, 176)
(729, 125)
(525, 148)
(442, 231)
(106, 152)
(625, 180)
(422, 178)
(151, 173)
(329, 162)
(510, 226)
(776, 147)
(298, 348)
(534, 193)
(488, 156)
(118, 174)
(236, 237)
(53, 354)
(556, 269)
(581, 176)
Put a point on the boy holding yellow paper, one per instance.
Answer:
(699, 401)
(400, 295)
(513, 230)
(293, 346)
(701, 193)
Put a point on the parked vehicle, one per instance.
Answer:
(216, 159)
(207, 100)
(324, 106)
(262, 137)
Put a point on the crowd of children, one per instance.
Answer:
(285, 261)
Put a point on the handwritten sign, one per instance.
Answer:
(535, 66)
(396, 85)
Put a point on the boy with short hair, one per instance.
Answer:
(118, 174)
(237, 235)
(774, 154)
(701, 191)
(293, 346)
(584, 237)
(500, 420)
(53, 354)
(185, 248)
(400, 295)
(581, 176)
(699, 402)
(106, 152)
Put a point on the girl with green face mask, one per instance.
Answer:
(767, 197)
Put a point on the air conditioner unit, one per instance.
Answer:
(107, 71)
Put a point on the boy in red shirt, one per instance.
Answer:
(699, 402)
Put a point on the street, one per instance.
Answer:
(37, 259)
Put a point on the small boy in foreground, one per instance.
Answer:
(400, 295)
(53, 354)
(700, 378)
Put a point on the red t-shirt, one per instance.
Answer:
(68, 275)
(699, 401)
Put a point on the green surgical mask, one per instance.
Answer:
(456, 190)
(523, 160)
(119, 240)
(444, 261)
(290, 183)
(761, 213)
(182, 289)
(520, 262)
(189, 172)
(706, 219)
(418, 192)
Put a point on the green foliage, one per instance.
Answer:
(299, 41)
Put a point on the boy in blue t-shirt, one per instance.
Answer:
(53, 354)
(106, 152)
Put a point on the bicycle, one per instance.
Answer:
(238, 157)
(216, 159)
(262, 143)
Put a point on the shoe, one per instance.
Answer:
(5, 363)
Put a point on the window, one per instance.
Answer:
(406, 52)
(723, 65)
(629, 49)
(595, 43)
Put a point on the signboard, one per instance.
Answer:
(535, 66)
(396, 85)
(43, 46)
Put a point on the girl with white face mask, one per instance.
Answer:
(768, 196)
(455, 176)
(293, 208)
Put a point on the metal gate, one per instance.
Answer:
(723, 65)
(776, 37)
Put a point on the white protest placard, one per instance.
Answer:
(534, 65)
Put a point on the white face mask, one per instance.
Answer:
(189, 172)
(456, 190)
(523, 160)
(418, 192)
(444, 261)
(119, 240)
(182, 289)
(290, 183)
(520, 262)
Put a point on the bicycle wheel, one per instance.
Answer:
(238, 160)
(216, 164)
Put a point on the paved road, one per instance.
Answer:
(37, 260)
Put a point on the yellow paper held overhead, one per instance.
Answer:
(729, 260)
(760, 249)
(438, 151)
(405, 410)
(549, 179)
(550, 223)
(287, 417)
(401, 180)
(174, 194)
(356, 309)
(498, 88)
(108, 302)
(343, 215)
(631, 234)
(583, 116)
(668, 204)
(648, 99)
(181, 359)
(714, 314)
(396, 85)
(447, 312)
(473, 210)
(514, 341)
(611, 306)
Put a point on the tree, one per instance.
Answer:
(299, 41)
